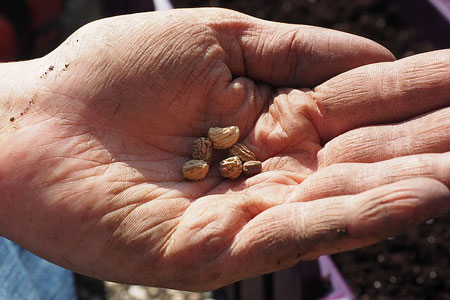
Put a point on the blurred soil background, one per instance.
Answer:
(412, 266)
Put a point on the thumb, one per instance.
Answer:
(291, 55)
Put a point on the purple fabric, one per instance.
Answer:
(339, 288)
(443, 6)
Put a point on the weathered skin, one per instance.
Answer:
(90, 165)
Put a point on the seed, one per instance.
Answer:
(231, 167)
(195, 169)
(223, 138)
(241, 151)
(202, 149)
(252, 167)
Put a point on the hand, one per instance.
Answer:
(91, 165)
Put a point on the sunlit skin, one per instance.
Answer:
(94, 135)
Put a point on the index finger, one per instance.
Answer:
(383, 93)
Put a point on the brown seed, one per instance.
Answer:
(223, 138)
(231, 167)
(202, 149)
(241, 151)
(252, 167)
(195, 169)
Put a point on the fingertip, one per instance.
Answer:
(422, 188)
(435, 193)
(397, 207)
(376, 52)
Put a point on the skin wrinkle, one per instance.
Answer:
(287, 110)
(149, 43)
(142, 233)
(360, 142)
(330, 48)
(279, 162)
(147, 229)
(424, 166)
(306, 112)
(264, 234)
(383, 205)
(264, 149)
(171, 191)
(241, 96)
(388, 83)
(144, 107)
(260, 190)
(394, 90)
(212, 55)
(59, 171)
(293, 52)
(420, 73)
(282, 106)
(233, 51)
(157, 191)
(243, 71)
(49, 113)
(208, 228)
(260, 235)
(317, 118)
(276, 162)
(211, 111)
(309, 161)
(168, 240)
(298, 219)
(211, 189)
(260, 43)
(382, 208)
(269, 52)
(276, 110)
(308, 47)
(391, 140)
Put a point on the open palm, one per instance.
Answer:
(101, 145)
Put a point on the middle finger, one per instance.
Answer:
(429, 133)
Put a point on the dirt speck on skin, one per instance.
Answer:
(49, 69)
(342, 232)
(26, 109)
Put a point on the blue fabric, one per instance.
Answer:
(24, 276)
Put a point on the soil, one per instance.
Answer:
(415, 265)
